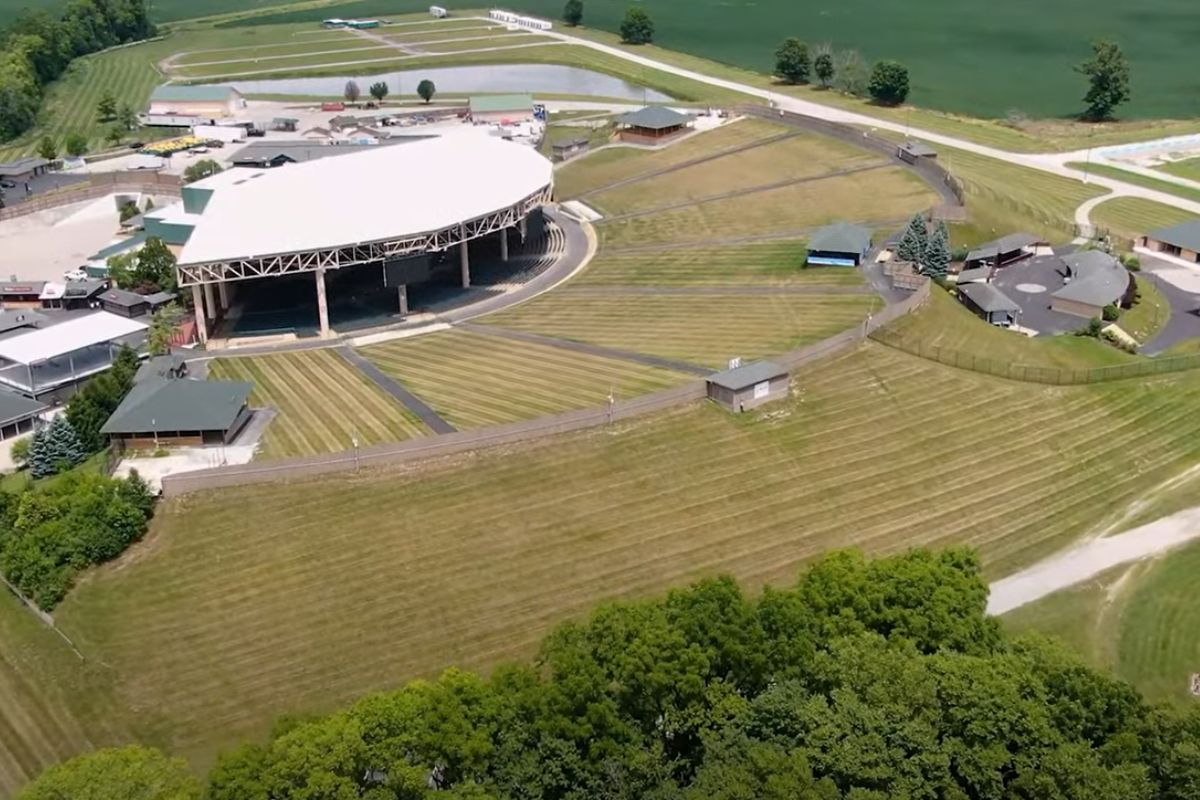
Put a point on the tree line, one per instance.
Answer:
(864, 680)
(36, 48)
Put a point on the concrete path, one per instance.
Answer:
(734, 290)
(590, 349)
(1091, 558)
(393, 387)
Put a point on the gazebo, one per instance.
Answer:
(653, 124)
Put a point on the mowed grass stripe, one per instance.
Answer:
(259, 51)
(607, 166)
(699, 328)
(322, 401)
(280, 57)
(369, 53)
(767, 263)
(885, 194)
(476, 380)
(1130, 217)
(436, 581)
(803, 156)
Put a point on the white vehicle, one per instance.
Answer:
(438, 12)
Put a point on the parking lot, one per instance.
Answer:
(1029, 284)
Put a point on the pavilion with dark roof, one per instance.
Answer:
(842, 244)
(652, 124)
(1179, 241)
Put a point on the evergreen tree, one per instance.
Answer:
(912, 244)
(937, 252)
(62, 448)
(40, 463)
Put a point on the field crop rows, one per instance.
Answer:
(1134, 627)
(884, 196)
(475, 380)
(1132, 216)
(291, 598)
(796, 157)
(322, 403)
(748, 264)
(704, 329)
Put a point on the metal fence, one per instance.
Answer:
(386, 455)
(97, 185)
(1055, 376)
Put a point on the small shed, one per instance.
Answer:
(22, 294)
(1179, 241)
(18, 415)
(124, 303)
(842, 244)
(1005, 250)
(912, 152)
(284, 124)
(990, 303)
(566, 149)
(652, 124)
(748, 386)
(23, 169)
(975, 275)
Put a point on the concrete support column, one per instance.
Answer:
(223, 294)
(504, 244)
(322, 307)
(465, 261)
(198, 305)
(403, 293)
(523, 227)
(210, 305)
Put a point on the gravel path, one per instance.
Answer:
(1090, 558)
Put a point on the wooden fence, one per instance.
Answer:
(97, 185)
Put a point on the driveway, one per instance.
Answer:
(1181, 287)
(1029, 284)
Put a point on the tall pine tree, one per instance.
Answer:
(40, 462)
(937, 252)
(913, 242)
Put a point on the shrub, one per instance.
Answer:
(1093, 328)
(1131, 262)
(637, 27)
(1111, 313)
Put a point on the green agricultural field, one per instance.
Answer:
(1188, 168)
(1136, 620)
(322, 403)
(296, 598)
(1129, 217)
(888, 195)
(944, 323)
(474, 380)
(764, 263)
(604, 167)
(796, 157)
(704, 329)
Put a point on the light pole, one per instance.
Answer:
(354, 443)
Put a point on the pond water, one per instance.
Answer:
(533, 78)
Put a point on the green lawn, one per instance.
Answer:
(705, 329)
(1137, 179)
(474, 380)
(1148, 317)
(322, 402)
(1129, 217)
(1137, 620)
(732, 265)
(255, 601)
(884, 196)
(1188, 168)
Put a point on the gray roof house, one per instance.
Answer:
(839, 244)
(1004, 250)
(744, 387)
(1180, 241)
(989, 302)
(1094, 280)
(167, 410)
(653, 122)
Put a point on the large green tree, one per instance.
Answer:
(636, 26)
(124, 773)
(823, 68)
(378, 90)
(573, 12)
(1107, 72)
(937, 252)
(426, 90)
(913, 241)
(889, 83)
(151, 268)
(791, 61)
(201, 169)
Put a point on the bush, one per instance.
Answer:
(1131, 262)
(637, 27)
(1092, 329)
(20, 451)
(1110, 313)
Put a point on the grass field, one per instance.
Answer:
(613, 164)
(891, 194)
(270, 53)
(1148, 317)
(475, 380)
(506, 39)
(749, 264)
(1137, 620)
(1188, 168)
(1129, 217)
(322, 403)
(297, 598)
(703, 329)
(795, 157)
(943, 322)
(1137, 179)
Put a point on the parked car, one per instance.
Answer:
(7, 185)
(136, 145)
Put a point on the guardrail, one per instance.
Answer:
(284, 469)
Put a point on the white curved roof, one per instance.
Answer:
(365, 196)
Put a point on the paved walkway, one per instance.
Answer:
(590, 349)
(393, 387)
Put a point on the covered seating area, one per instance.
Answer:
(45, 360)
(652, 125)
